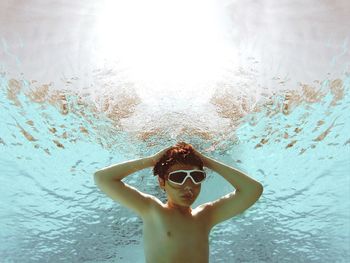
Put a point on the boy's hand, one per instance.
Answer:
(196, 152)
(155, 158)
(200, 156)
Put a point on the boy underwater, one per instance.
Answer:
(174, 232)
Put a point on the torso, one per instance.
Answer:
(172, 237)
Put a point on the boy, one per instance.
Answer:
(174, 232)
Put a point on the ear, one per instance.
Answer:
(161, 182)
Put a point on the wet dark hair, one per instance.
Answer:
(182, 153)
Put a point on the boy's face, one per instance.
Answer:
(176, 193)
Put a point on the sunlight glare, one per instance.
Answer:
(163, 42)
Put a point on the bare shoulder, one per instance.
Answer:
(202, 212)
(127, 195)
(228, 206)
(155, 206)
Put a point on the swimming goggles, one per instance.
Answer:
(179, 176)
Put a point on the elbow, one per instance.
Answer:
(260, 190)
(254, 191)
(257, 190)
(99, 173)
(260, 187)
(97, 176)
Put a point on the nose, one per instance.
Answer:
(188, 182)
(188, 185)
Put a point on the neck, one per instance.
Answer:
(182, 209)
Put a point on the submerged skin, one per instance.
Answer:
(174, 232)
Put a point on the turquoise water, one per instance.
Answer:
(51, 210)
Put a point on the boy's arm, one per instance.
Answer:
(121, 170)
(248, 191)
(109, 180)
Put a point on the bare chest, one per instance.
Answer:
(171, 237)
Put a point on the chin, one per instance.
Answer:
(188, 201)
